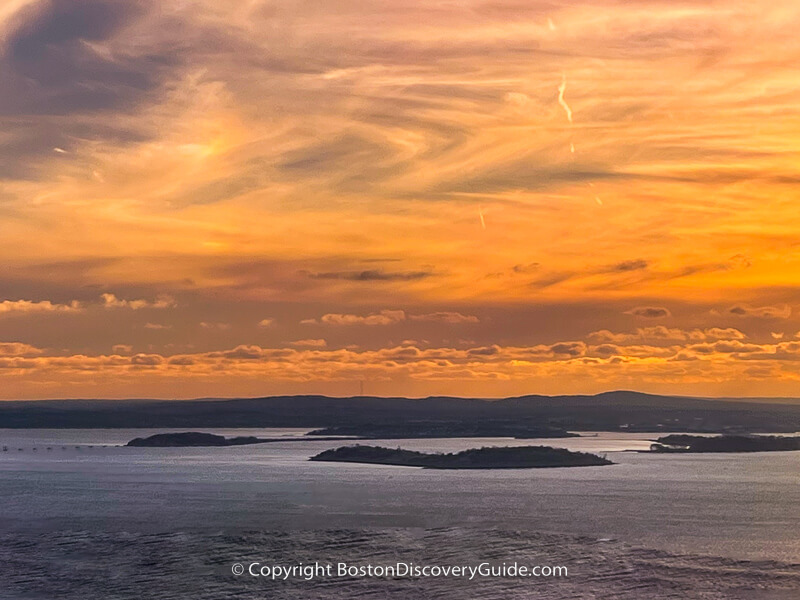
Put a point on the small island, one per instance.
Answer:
(725, 443)
(191, 439)
(519, 457)
(443, 429)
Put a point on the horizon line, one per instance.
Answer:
(377, 397)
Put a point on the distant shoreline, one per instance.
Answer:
(682, 443)
(193, 439)
(523, 417)
(443, 429)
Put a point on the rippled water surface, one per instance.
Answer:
(113, 522)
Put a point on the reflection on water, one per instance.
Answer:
(177, 565)
(658, 513)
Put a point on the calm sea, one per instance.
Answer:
(82, 518)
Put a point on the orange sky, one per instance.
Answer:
(472, 198)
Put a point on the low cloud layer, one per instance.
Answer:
(661, 356)
(391, 317)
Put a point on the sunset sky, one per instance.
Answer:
(490, 198)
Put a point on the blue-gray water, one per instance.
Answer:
(108, 522)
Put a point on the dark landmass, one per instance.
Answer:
(521, 457)
(725, 443)
(191, 438)
(611, 411)
(446, 429)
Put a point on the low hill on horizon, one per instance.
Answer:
(617, 410)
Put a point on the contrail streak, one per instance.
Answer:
(561, 89)
(480, 214)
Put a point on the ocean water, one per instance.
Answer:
(82, 518)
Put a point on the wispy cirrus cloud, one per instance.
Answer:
(372, 275)
(227, 161)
